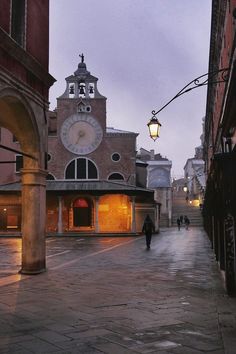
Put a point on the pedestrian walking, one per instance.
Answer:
(178, 223)
(148, 229)
(181, 219)
(187, 222)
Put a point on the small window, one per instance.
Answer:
(116, 176)
(81, 107)
(88, 108)
(81, 203)
(49, 157)
(50, 177)
(115, 157)
(19, 163)
(18, 21)
(14, 138)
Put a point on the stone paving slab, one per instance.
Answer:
(111, 295)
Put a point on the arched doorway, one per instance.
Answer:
(26, 120)
(82, 212)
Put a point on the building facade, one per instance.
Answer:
(91, 181)
(24, 86)
(158, 178)
(220, 137)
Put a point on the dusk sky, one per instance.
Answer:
(143, 52)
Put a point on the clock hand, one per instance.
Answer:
(81, 133)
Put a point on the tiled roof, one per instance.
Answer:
(111, 130)
(85, 186)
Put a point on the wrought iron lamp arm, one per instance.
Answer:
(203, 80)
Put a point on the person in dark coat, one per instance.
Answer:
(148, 229)
(178, 223)
(187, 222)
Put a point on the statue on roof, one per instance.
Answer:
(82, 57)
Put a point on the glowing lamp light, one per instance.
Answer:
(154, 128)
(185, 189)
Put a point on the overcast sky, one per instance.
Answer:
(143, 52)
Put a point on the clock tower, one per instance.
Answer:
(82, 98)
(80, 119)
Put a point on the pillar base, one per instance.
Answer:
(32, 272)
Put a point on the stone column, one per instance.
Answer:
(96, 214)
(133, 225)
(59, 224)
(33, 221)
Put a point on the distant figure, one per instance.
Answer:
(187, 222)
(148, 229)
(178, 223)
(181, 219)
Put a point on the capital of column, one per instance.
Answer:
(33, 176)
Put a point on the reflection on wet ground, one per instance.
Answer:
(111, 295)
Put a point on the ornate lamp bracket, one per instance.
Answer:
(211, 78)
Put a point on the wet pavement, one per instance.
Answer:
(111, 295)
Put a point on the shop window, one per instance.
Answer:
(10, 217)
(18, 21)
(81, 169)
(114, 213)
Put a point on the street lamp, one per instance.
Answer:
(211, 78)
(154, 128)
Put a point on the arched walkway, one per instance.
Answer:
(26, 120)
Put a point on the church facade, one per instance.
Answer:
(91, 182)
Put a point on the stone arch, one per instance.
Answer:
(18, 116)
(25, 118)
(83, 208)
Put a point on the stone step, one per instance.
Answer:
(164, 220)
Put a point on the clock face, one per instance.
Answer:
(81, 134)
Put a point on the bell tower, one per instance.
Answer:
(82, 96)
